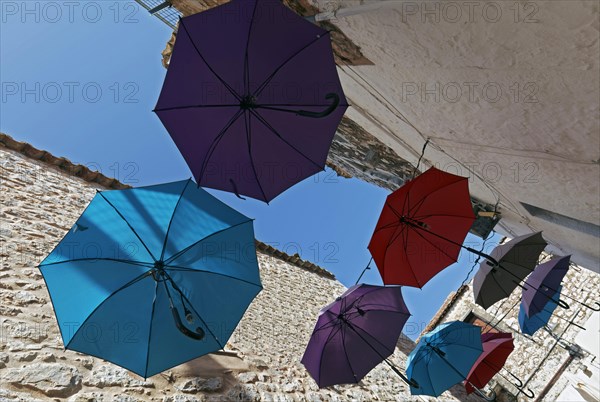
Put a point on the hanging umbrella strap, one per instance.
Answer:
(305, 113)
(326, 112)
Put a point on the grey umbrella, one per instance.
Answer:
(508, 266)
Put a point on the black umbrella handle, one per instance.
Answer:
(324, 113)
(561, 303)
(198, 335)
(592, 308)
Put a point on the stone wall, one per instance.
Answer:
(539, 360)
(261, 362)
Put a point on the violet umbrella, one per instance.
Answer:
(252, 97)
(543, 284)
(355, 333)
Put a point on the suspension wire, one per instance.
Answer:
(394, 110)
(420, 157)
(478, 255)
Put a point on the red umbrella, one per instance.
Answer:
(496, 349)
(421, 228)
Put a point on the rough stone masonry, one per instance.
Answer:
(40, 202)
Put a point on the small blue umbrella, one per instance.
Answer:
(530, 325)
(443, 357)
(151, 277)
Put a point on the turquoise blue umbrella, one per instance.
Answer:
(530, 325)
(443, 357)
(151, 277)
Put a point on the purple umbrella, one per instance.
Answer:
(543, 284)
(252, 97)
(356, 333)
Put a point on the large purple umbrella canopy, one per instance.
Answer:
(252, 97)
(543, 283)
(355, 333)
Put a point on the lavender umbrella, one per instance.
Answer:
(252, 97)
(356, 333)
(543, 284)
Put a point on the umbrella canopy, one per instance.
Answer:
(355, 333)
(151, 277)
(252, 97)
(543, 283)
(421, 228)
(511, 263)
(444, 357)
(530, 325)
(496, 349)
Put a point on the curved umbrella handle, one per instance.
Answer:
(324, 113)
(529, 393)
(198, 335)
(561, 303)
(592, 308)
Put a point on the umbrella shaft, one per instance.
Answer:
(385, 359)
(472, 250)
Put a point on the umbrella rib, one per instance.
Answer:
(128, 284)
(176, 268)
(229, 88)
(150, 329)
(246, 65)
(446, 215)
(128, 224)
(388, 226)
(424, 238)
(216, 141)
(506, 294)
(343, 329)
(329, 338)
(354, 325)
(180, 253)
(411, 268)
(162, 253)
(248, 123)
(420, 203)
(137, 263)
(262, 86)
(167, 109)
(266, 124)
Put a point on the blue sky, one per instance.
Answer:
(81, 82)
